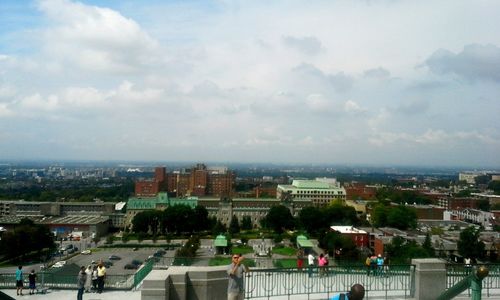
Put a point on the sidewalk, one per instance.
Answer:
(71, 294)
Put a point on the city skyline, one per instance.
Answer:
(327, 82)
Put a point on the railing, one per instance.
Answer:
(143, 272)
(396, 280)
(49, 280)
(456, 272)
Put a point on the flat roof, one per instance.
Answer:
(347, 229)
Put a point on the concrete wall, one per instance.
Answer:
(430, 278)
(186, 283)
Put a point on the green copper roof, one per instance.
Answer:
(220, 241)
(144, 203)
(303, 242)
(310, 184)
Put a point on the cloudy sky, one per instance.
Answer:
(342, 82)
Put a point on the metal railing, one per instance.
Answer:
(54, 281)
(456, 272)
(396, 280)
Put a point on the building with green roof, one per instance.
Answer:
(161, 201)
(320, 191)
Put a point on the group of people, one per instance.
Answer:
(323, 262)
(374, 264)
(20, 281)
(91, 279)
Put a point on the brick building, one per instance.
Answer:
(358, 236)
(359, 191)
(196, 181)
(151, 187)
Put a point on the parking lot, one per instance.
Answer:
(126, 255)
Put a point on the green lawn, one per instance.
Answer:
(224, 261)
(241, 249)
(219, 261)
(285, 263)
(285, 251)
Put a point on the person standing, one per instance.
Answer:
(101, 275)
(310, 263)
(88, 282)
(80, 283)
(368, 261)
(357, 292)
(380, 264)
(321, 264)
(32, 281)
(300, 259)
(19, 280)
(94, 278)
(236, 286)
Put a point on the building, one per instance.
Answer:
(359, 237)
(468, 177)
(196, 181)
(34, 208)
(161, 201)
(483, 218)
(148, 188)
(224, 208)
(321, 191)
(359, 191)
(454, 203)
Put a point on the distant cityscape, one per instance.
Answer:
(448, 198)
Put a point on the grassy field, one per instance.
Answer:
(285, 251)
(285, 263)
(224, 261)
(241, 249)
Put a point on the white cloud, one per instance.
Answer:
(309, 45)
(96, 39)
(183, 79)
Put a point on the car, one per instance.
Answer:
(59, 264)
(114, 257)
(136, 262)
(159, 253)
(86, 252)
(135, 249)
(108, 264)
(130, 267)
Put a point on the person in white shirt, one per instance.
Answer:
(310, 263)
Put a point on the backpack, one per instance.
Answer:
(368, 261)
(342, 296)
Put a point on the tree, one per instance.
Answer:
(27, 239)
(311, 220)
(495, 186)
(179, 218)
(234, 226)
(427, 245)
(201, 217)
(246, 223)
(379, 215)
(218, 228)
(482, 179)
(402, 217)
(278, 219)
(469, 244)
(339, 214)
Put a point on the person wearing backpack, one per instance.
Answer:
(357, 292)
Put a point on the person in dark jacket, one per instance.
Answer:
(80, 283)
